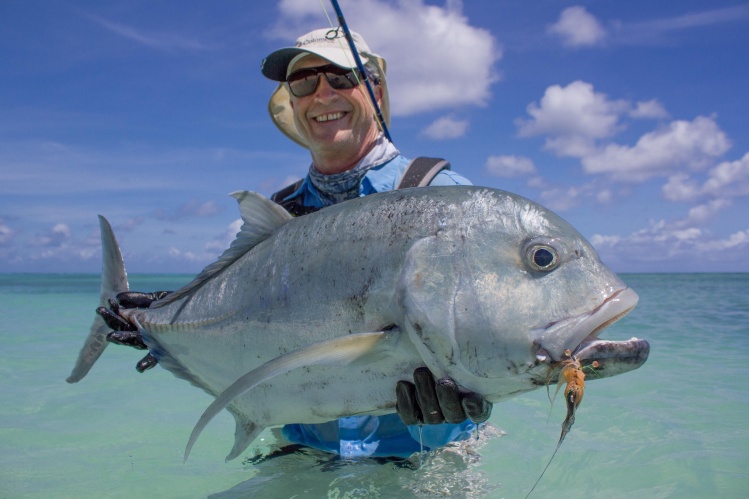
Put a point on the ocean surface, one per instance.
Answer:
(677, 427)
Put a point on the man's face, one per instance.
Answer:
(337, 124)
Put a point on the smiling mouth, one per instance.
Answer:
(329, 117)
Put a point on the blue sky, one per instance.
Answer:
(629, 119)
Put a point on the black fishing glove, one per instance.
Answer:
(426, 401)
(125, 333)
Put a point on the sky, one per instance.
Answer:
(629, 119)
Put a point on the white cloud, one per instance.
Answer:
(649, 109)
(572, 118)
(668, 245)
(680, 187)
(57, 236)
(160, 41)
(737, 239)
(418, 41)
(681, 144)
(727, 180)
(446, 127)
(510, 166)
(579, 122)
(561, 198)
(703, 212)
(6, 233)
(655, 31)
(578, 28)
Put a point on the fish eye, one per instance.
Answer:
(542, 258)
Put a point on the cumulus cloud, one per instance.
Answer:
(446, 127)
(510, 166)
(649, 109)
(436, 37)
(572, 118)
(692, 144)
(728, 179)
(669, 244)
(579, 122)
(578, 28)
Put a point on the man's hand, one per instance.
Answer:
(125, 333)
(426, 401)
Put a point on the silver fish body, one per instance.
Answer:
(318, 317)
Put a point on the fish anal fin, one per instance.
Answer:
(246, 431)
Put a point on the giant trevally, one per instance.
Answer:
(305, 320)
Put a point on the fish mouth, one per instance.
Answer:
(578, 335)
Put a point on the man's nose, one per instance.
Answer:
(324, 91)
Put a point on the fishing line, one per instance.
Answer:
(350, 39)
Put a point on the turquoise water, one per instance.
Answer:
(677, 427)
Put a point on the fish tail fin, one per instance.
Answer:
(113, 281)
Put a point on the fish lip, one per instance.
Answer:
(610, 358)
(558, 339)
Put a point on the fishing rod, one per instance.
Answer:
(360, 67)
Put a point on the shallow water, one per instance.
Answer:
(677, 427)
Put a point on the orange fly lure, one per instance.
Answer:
(573, 377)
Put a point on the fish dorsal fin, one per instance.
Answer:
(261, 218)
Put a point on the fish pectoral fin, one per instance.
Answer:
(336, 352)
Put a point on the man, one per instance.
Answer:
(321, 104)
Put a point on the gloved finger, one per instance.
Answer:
(127, 338)
(137, 299)
(114, 321)
(146, 363)
(427, 396)
(449, 399)
(406, 404)
(477, 408)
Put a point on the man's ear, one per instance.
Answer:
(378, 94)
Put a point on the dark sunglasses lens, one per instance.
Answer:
(304, 82)
(341, 82)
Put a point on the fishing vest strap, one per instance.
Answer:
(419, 173)
(293, 205)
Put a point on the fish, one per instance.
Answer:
(313, 318)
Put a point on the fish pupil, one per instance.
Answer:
(543, 257)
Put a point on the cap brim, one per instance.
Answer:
(276, 64)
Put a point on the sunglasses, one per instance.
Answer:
(304, 81)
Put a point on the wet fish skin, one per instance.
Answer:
(445, 274)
